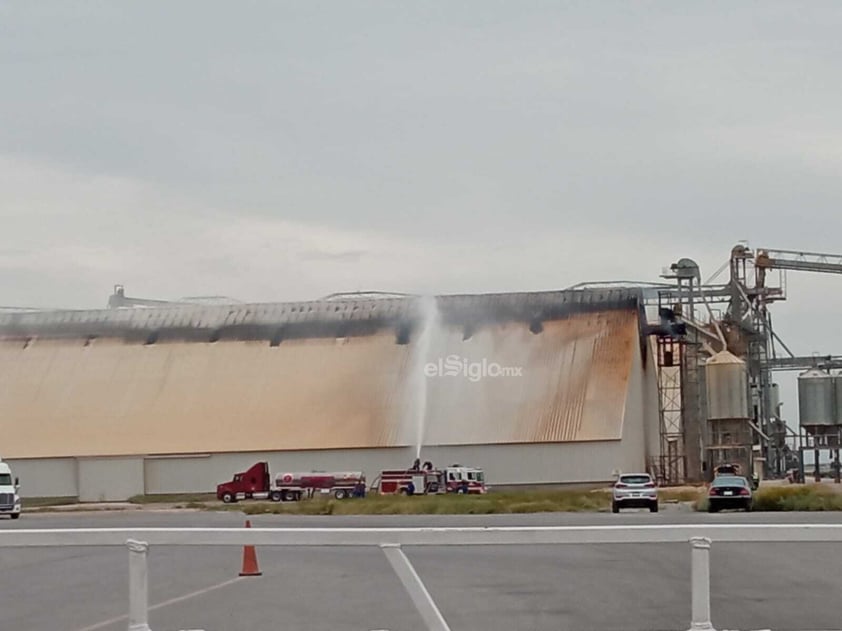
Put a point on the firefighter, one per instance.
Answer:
(416, 466)
(410, 488)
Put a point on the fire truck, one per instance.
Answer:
(255, 483)
(428, 480)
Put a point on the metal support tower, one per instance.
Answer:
(670, 464)
(696, 434)
(747, 332)
(686, 273)
(762, 351)
(748, 313)
(680, 383)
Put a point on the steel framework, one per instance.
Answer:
(745, 329)
(669, 466)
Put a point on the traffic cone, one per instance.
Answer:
(250, 559)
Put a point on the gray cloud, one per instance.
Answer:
(287, 150)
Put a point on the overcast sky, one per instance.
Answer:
(280, 150)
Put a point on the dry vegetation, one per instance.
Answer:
(806, 497)
(172, 498)
(527, 501)
(496, 502)
(809, 497)
(39, 502)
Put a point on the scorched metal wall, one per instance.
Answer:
(107, 397)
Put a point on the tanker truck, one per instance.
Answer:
(256, 483)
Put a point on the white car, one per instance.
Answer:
(634, 490)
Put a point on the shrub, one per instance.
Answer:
(540, 501)
(809, 497)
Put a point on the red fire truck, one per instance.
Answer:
(427, 480)
(255, 483)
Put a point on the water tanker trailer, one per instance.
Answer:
(255, 483)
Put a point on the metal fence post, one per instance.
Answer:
(700, 584)
(138, 586)
(413, 584)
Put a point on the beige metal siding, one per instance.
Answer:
(46, 477)
(109, 479)
(539, 463)
(65, 398)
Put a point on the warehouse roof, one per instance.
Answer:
(336, 316)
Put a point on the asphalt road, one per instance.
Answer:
(531, 588)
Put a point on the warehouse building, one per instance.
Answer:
(535, 388)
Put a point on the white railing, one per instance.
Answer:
(390, 541)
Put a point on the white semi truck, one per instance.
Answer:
(9, 498)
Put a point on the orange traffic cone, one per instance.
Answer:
(250, 559)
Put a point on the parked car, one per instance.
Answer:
(729, 491)
(735, 470)
(727, 469)
(634, 490)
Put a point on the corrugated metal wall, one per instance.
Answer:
(110, 479)
(107, 397)
(538, 463)
(524, 464)
(47, 477)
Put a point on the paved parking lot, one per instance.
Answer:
(595, 588)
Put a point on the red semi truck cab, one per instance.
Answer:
(254, 481)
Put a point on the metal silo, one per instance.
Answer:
(837, 387)
(727, 387)
(816, 399)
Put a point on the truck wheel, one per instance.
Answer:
(340, 494)
(275, 496)
(229, 498)
(15, 515)
(288, 496)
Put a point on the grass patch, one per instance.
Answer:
(172, 498)
(76, 509)
(39, 502)
(807, 497)
(550, 501)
